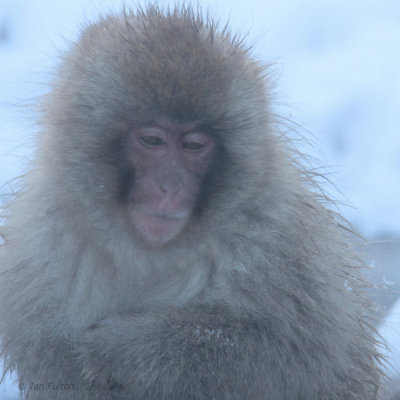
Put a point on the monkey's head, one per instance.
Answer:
(162, 119)
(170, 162)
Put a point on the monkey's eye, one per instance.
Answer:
(193, 145)
(152, 140)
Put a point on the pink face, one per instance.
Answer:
(170, 162)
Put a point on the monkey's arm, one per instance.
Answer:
(195, 353)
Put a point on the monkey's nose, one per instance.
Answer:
(171, 186)
(171, 180)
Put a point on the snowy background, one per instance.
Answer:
(337, 68)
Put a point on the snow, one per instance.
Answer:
(390, 330)
(337, 66)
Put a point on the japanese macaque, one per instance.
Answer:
(393, 390)
(166, 244)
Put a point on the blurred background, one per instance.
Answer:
(336, 68)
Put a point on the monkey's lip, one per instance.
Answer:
(159, 227)
(164, 214)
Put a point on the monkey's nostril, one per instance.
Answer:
(171, 186)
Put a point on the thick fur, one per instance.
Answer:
(391, 391)
(259, 299)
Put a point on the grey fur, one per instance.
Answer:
(391, 390)
(261, 298)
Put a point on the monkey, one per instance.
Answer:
(394, 389)
(167, 243)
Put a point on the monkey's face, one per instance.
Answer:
(170, 162)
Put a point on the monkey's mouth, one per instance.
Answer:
(158, 228)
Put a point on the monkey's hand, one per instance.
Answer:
(175, 354)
